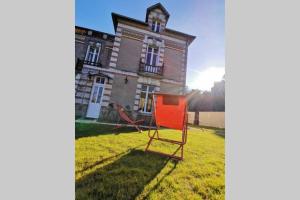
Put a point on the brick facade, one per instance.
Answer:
(122, 57)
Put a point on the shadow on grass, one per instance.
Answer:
(90, 129)
(123, 179)
(110, 158)
(164, 176)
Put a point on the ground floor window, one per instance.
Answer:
(146, 98)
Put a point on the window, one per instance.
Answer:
(94, 97)
(100, 80)
(146, 98)
(151, 60)
(152, 56)
(155, 26)
(93, 53)
(99, 94)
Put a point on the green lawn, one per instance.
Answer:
(113, 165)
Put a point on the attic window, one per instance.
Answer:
(155, 26)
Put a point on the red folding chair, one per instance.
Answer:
(169, 111)
(125, 117)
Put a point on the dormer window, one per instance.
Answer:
(155, 26)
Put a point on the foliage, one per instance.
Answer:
(213, 100)
(200, 101)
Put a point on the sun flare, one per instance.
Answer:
(205, 79)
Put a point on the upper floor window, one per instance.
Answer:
(155, 26)
(146, 98)
(152, 56)
(93, 52)
(100, 80)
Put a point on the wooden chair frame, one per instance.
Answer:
(126, 118)
(155, 136)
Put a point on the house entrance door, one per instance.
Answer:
(94, 107)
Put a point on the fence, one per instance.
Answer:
(213, 119)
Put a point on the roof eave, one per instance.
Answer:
(116, 16)
(190, 38)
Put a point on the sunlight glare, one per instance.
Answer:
(205, 79)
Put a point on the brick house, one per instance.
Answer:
(141, 58)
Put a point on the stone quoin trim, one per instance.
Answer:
(137, 100)
(112, 64)
(104, 104)
(107, 92)
(183, 66)
(84, 87)
(144, 49)
(161, 53)
(113, 59)
(117, 43)
(115, 53)
(116, 48)
(117, 39)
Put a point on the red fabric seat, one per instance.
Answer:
(170, 111)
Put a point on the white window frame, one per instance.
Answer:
(146, 99)
(97, 46)
(152, 53)
(156, 26)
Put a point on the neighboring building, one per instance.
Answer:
(218, 89)
(141, 58)
(218, 96)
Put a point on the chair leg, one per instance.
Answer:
(181, 152)
(150, 141)
(137, 128)
(148, 144)
(176, 151)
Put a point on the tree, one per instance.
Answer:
(199, 101)
(218, 93)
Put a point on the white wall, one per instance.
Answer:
(213, 119)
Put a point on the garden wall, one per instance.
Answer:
(213, 119)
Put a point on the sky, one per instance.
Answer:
(201, 18)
